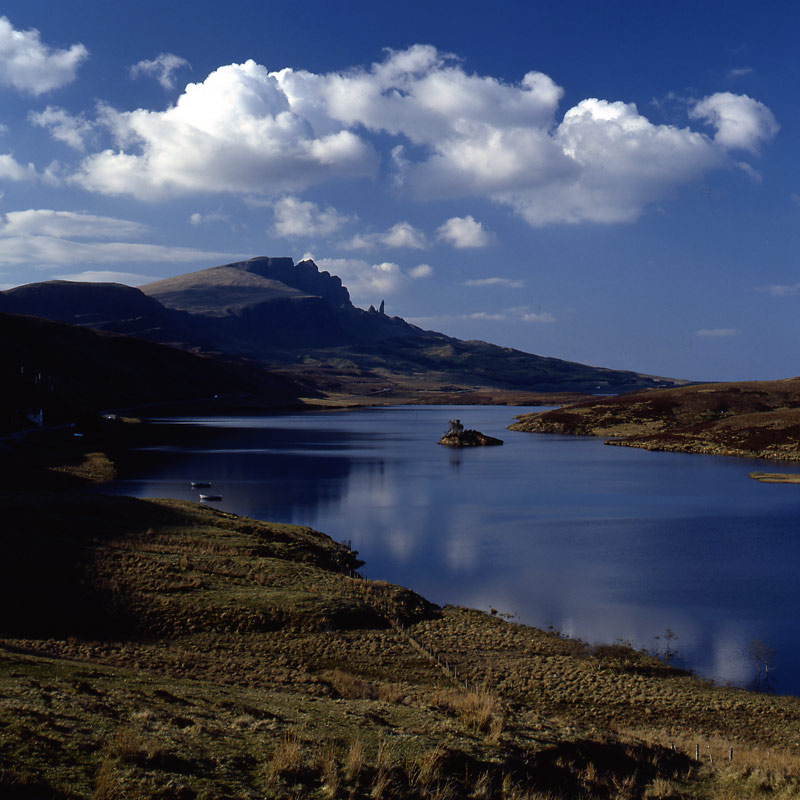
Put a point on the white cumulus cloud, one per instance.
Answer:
(421, 271)
(63, 126)
(29, 65)
(443, 133)
(369, 283)
(463, 232)
(619, 162)
(741, 122)
(295, 217)
(235, 132)
(12, 170)
(162, 68)
(401, 234)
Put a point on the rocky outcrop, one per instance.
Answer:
(305, 276)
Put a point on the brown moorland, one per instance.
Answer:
(162, 649)
(754, 419)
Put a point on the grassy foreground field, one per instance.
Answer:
(162, 649)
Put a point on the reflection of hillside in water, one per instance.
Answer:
(269, 473)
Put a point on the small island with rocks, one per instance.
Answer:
(457, 436)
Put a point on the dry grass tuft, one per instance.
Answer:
(126, 745)
(384, 764)
(107, 783)
(354, 761)
(478, 709)
(351, 687)
(326, 764)
(425, 772)
(391, 693)
(287, 759)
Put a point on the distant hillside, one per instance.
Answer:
(71, 372)
(756, 419)
(273, 311)
(102, 306)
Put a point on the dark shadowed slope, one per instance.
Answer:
(70, 372)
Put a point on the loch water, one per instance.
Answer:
(599, 542)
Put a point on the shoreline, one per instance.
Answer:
(244, 633)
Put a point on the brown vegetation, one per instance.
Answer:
(754, 419)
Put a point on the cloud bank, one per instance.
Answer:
(45, 222)
(448, 133)
(47, 239)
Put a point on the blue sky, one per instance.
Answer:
(615, 183)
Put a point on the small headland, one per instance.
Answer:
(751, 419)
(775, 477)
(458, 436)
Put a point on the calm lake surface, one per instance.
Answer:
(600, 542)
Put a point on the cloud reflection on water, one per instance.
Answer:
(604, 543)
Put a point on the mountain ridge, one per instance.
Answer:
(271, 311)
